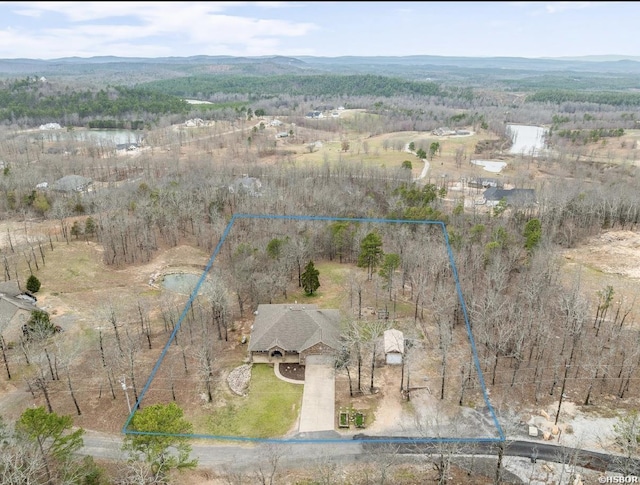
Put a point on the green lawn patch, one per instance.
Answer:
(269, 410)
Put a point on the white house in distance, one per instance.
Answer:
(393, 346)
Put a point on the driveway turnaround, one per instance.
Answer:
(319, 395)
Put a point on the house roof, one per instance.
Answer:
(485, 182)
(10, 288)
(71, 183)
(249, 185)
(393, 341)
(294, 328)
(512, 196)
(10, 303)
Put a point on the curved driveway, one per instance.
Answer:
(425, 169)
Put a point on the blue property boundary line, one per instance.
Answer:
(194, 293)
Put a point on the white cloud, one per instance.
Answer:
(556, 7)
(139, 28)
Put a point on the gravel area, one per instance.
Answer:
(239, 378)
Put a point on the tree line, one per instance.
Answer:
(37, 104)
(297, 85)
(559, 96)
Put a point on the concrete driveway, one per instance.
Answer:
(319, 395)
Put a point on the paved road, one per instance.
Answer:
(524, 449)
(241, 456)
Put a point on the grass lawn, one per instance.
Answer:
(332, 292)
(270, 409)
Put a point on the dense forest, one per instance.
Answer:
(39, 102)
(317, 85)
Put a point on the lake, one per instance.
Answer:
(97, 137)
(527, 140)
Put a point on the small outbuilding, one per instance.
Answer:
(393, 346)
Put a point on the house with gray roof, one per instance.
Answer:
(484, 183)
(513, 197)
(72, 183)
(246, 185)
(15, 310)
(290, 333)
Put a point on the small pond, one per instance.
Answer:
(184, 283)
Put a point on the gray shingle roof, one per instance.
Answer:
(10, 288)
(294, 328)
(10, 301)
(512, 196)
(71, 183)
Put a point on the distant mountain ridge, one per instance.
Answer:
(552, 63)
(135, 70)
(598, 58)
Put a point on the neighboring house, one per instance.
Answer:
(72, 183)
(246, 185)
(283, 134)
(50, 126)
(290, 333)
(443, 131)
(194, 122)
(393, 346)
(127, 146)
(484, 183)
(314, 114)
(515, 197)
(15, 310)
(275, 123)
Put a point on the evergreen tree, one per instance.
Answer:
(54, 437)
(162, 442)
(33, 284)
(532, 234)
(310, 281)
(370, 253)
(389, 266)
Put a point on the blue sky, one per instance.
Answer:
(50, 30)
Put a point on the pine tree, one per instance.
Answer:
(370, 253)
(310, 281)
(33, 284)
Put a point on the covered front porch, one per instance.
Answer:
(275, 355)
